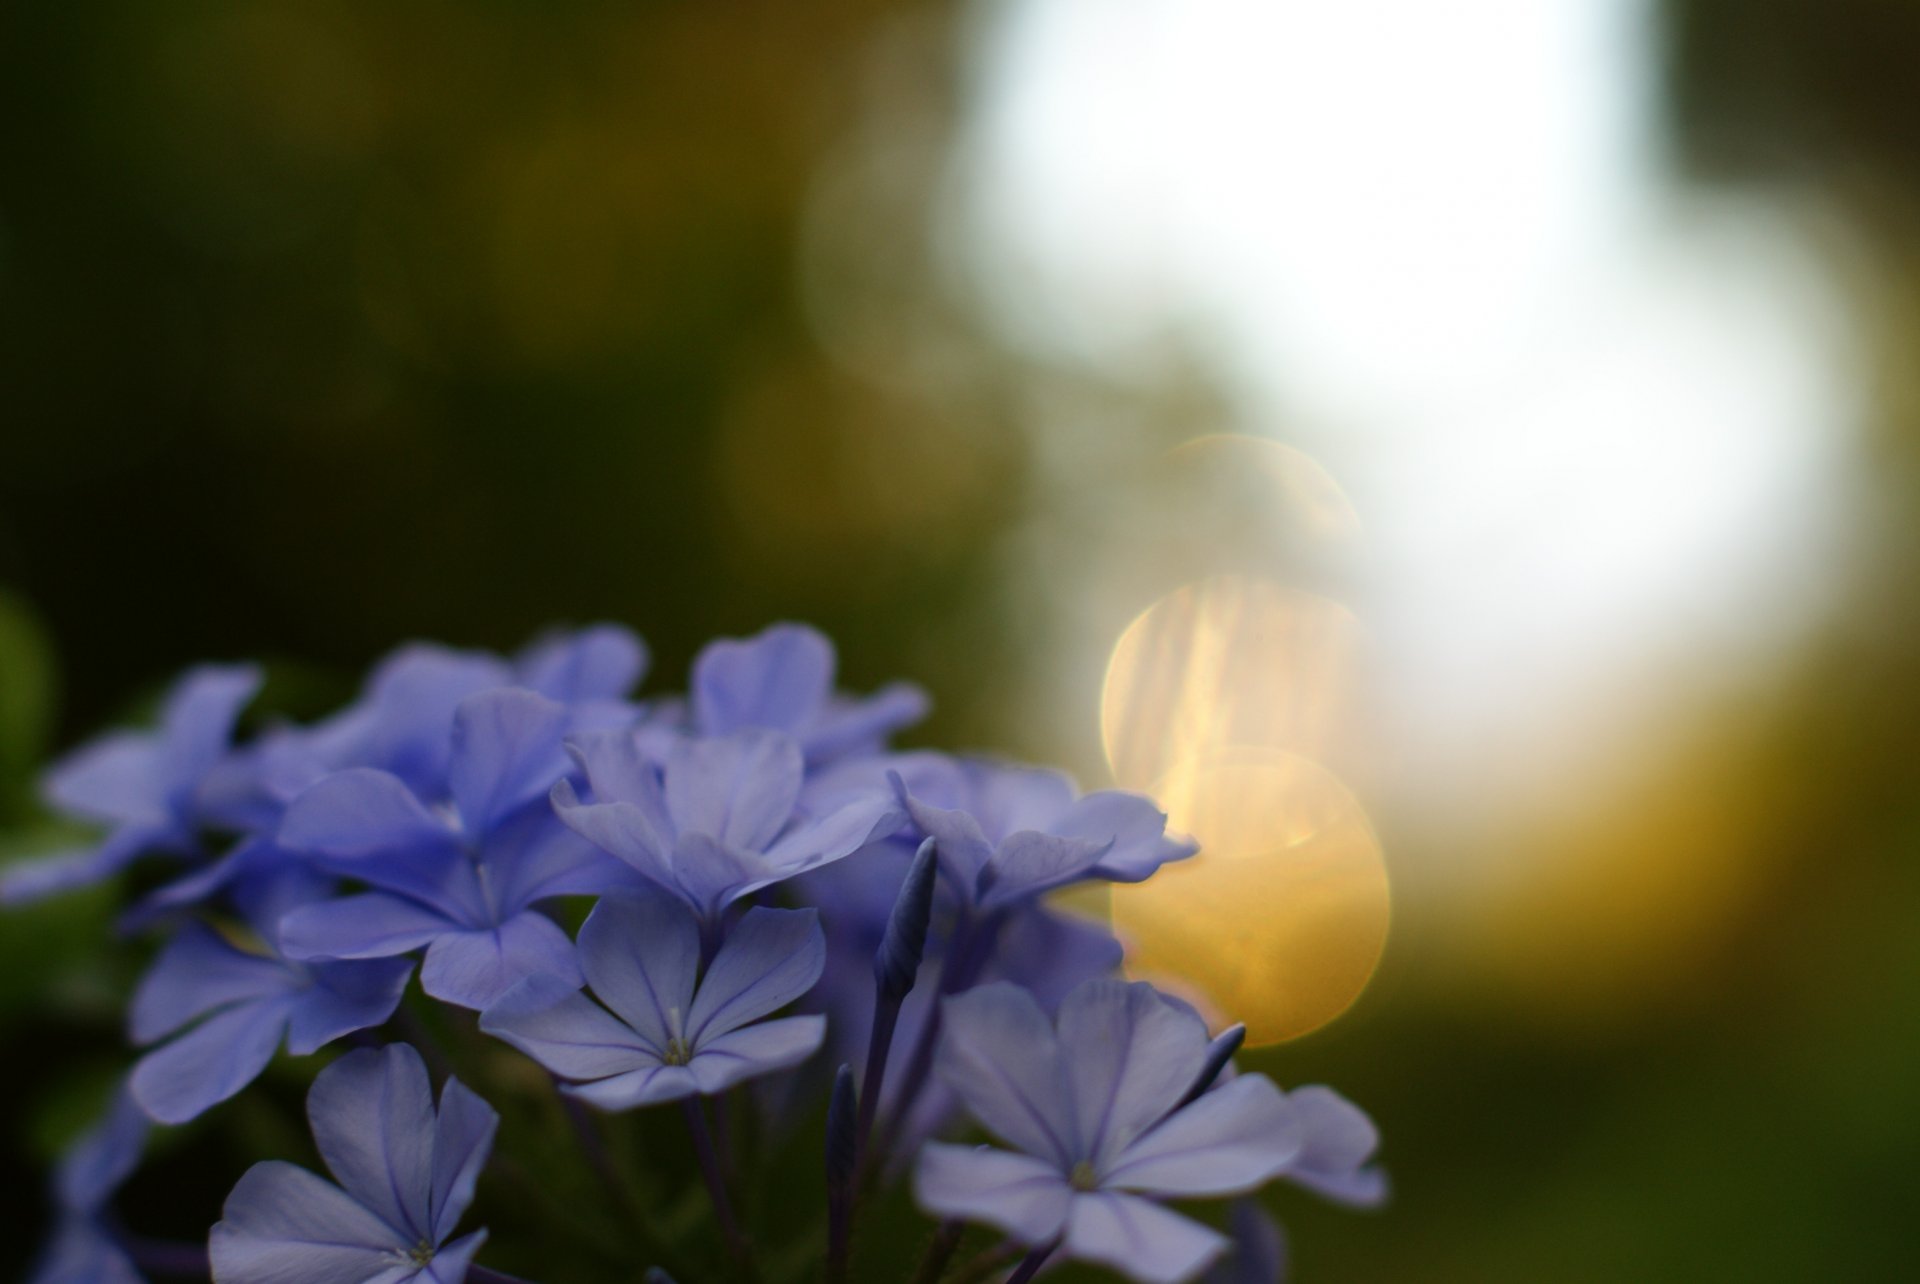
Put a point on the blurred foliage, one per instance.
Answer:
(329, 324)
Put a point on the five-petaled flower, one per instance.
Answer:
(406, 1173)
(667, 1030)
(1094, 1103)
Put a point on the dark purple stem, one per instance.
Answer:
(168, 1257)
(716, 1183)
(1031, 1264)
(967, 954)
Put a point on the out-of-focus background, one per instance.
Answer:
(1461, 458)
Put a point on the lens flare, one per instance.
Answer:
(1282, 917)
(1232, 661)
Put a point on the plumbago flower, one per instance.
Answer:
(405, 1174)
(763, 880)
(1108, 1107)
(143, 784)
(719, 819)
(666, 1031)
(246, 999)
(463, 880)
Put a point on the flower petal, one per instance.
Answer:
(958, 840)
(755, 1050)
(771, 957)
(113, 780)
(361, 812)
(849, 725)
(1141, 1240)
(1259, 1252)
(1130, 1056)
(345, 996)
(26, 881)
(1228, 1140)
(1132, 824)
(565, 1031)
(1339, 1140)
(197, 720)
(209, 1063)
(462, 1139)
(1023, 1196)
(506, 752)
(621, 829)
(641, 954)
(474, 968)
(372, 1113)
(372, 925)
(648, 1086)
(100, 1159)
(284, 1225)
(599, 662)
(450, 1264)
(999, 1053)
(197, 972)
(777, 680)
(1029, 863)
(739, 789)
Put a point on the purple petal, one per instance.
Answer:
(372, 1113)
(600, 662)
(1141, 1240)
(721, 1062)
(473, 968)
(372, 925)
(462, 1139)
(620, 829)
(641, 954)
(344, 997)
(534, 856)
(1021, 1195)
(1029, 863)
(1008, 798)
(197, 972)
(209, 1063)
(771, 957)
(850, 725)
(360, 813)
(999, 1054)
(506, 752)
(739, 789)
(711, 877)
(196, 723)
(204, 883)
(1259, 1252)
(114, 780)
(24, 882)
(1130, 1056)
(647, 1086)
(404, 721)
(1132, 824)
(777, 680)
(1339, 1140)
(619, 769)
(565, 1031)
(100, 1159)
(840, 833)
(1229, 1140)
(1052, 952)
(450, 1263)
(958, 840)
(284, 1225)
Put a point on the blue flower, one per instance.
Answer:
(1094, 1104)
(782, 680)
(1008, 834)
(1259, 1251)
(668, 1032)
(82, 1250)
(144, 784)
(406, 1173)
(246, 1001)
(718, 820)
(1338, 1141)
(460, 880)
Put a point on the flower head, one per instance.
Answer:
(145, 785)
(405, 1174)
(718, 819)
(1092, 1101)
(460, 879)
(668, 1031)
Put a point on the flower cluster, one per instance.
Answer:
(708, 900)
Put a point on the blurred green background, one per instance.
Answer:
(1585, 339)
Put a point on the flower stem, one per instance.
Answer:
(167, 1257)
(886, 1014)
(939, 1253)
(1031, 1264)
(716, 1184)
(967, 954)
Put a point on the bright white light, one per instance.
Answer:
(1594, 426)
